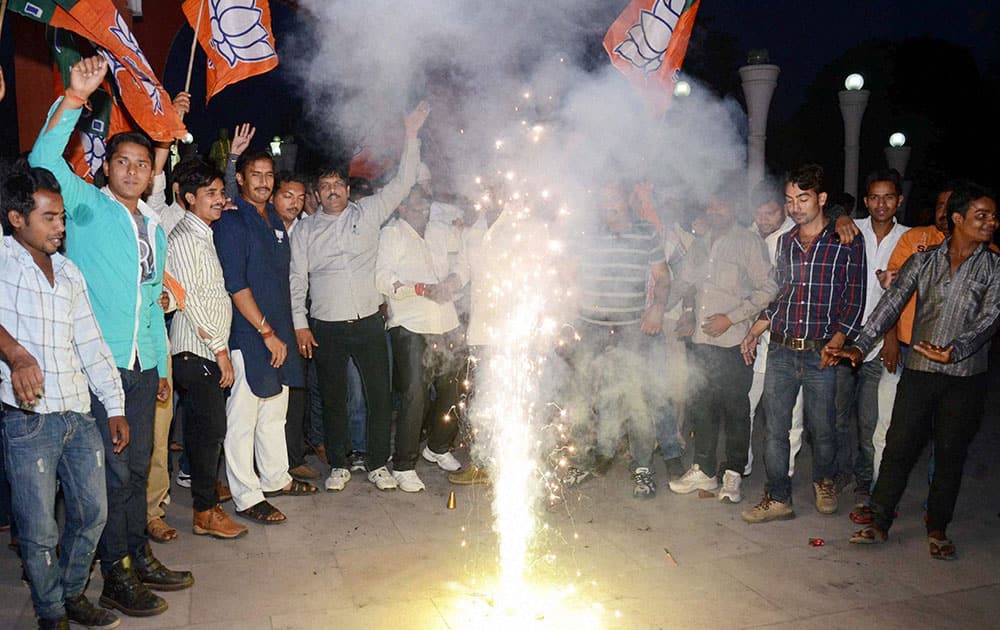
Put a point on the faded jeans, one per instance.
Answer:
(857, 405)
(40, 448)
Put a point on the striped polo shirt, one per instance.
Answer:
(614, 274)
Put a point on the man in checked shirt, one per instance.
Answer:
(941, 392)
(52, 354)
(820, 301)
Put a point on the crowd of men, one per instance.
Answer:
(283, 310)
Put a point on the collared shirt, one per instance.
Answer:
(57, 326)
(491, 251)
(877, 256)
(254, 254)
(406, 257)
(613, 274)
(959, 309)
(730, 275)
(333, 256)
(193, 262)
(170, 214)
(821, 291)
(771, 242)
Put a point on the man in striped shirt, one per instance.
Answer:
(820, 303)
(619, 326)
(199, 337)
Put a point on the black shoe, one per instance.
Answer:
(124, 591)
(80, 611)
(675, 468)
(154, 575)
(59, 623)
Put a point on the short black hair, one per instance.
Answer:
(20, 181)
(764, 193)
(192, 174)
(962, 196)
(283, 177)
(134, 137)
(890, 175)
(249, 157)
(808, 177)
(333, 169)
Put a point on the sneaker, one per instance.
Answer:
(358, 462)
(645, 487)
(693, 480)
(768, 510)
(183, 479)
(575, 476)
(337, 480)
(407, 481)
(468, 476)
(731, 482)
(826, 496)
(382, 479)
(445, 461)
(82, 612)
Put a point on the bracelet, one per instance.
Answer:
(260, 326)
(79, 100)
(418, 288)
(267, 334)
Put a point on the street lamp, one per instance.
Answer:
(759, 78)
(853, 101)
(897, 156)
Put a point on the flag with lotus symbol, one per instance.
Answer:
(99, 21)
(236, 37)
(647, 43)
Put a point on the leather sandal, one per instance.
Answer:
(296, 489)
(942, 548)
(870, 535)
(263, 513)
(158, 531)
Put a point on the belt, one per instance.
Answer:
(799, 345)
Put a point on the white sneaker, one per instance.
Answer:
(693, 480)
(382, 479)
(183, 479)
(731, 482)
(407, 480)
(337, 480)
(446, 461)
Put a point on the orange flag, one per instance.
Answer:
(236, 37)
(647, 44)
(86, 151)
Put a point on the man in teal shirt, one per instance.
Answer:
(116, 241)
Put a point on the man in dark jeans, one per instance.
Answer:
(116, 241)
(943, 387)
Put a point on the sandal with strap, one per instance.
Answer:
(263, 513)
(297, 489)
(870, 535)
(158, 531)
(862, 515)
(942, 548)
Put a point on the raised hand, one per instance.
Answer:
(242, 136)
(182, 103)
(86, 76)
(415, 119)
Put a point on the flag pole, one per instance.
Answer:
(3, 12)
(194, 44)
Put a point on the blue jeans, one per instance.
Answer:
(39, 448)
(357, 413)
(787, 370)
(857, 405)
(126, 472)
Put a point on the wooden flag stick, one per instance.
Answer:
(194, 45)
(3, 12)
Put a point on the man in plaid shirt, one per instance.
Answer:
(820, 303)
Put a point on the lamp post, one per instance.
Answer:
(759, 79)
(897, 156)
(853, 101)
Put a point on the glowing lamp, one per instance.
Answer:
(854, 82)
(682, 88)
(897, 139)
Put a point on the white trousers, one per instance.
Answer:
(794, 434)
(255, 427)
(886, 399)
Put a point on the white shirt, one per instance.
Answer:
(405, 257)
(771, 241)
(56, 325)
(877, 254)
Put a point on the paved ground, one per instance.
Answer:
(362, 558)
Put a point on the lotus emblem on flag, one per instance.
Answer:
(648, 38)
(237, 32)
(141, 71)
(94, 150)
